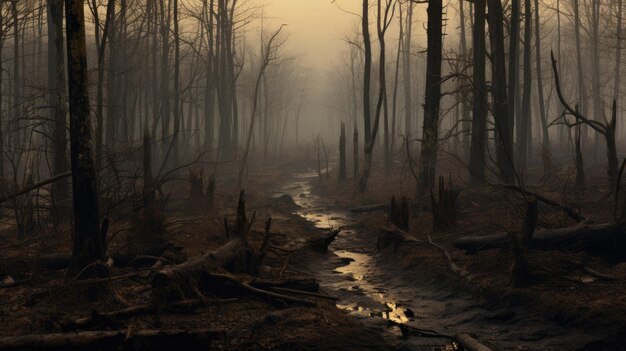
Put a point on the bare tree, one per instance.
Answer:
(428, 155)
(269, 53)
(88, 243)
(56, 96)
(606, 129)
(479, 98)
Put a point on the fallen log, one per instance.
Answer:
(607, 238)
(369, 208)
(321, 244)
(470, 343)
(260, 292)
(391, 235)
(58, 261)
(110, 318)
(115, 340)
(173, 282)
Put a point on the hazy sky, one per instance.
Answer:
(315, 27)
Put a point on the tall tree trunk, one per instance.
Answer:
(165, 76)
(1, 99)
(406, 58)
(382, 24)
(88, 243)
(503, 123)
(17, 79)
(479, 95)
(428, 155)
(598, 104)
(56, 96)
(395, 89)
(465, 114)
(367, 46)
(618, 53)
(209, 97)
(582, 97)
(524, 130)
(177, 104)
(514, 42)
(545, 145)
(342, 153)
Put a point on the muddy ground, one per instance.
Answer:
(397, 294)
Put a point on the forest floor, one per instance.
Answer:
(380, 287)
(45, 302)
(575, 300)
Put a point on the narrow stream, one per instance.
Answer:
(375, 294)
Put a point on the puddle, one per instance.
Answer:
(376, 295)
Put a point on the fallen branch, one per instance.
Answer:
(470, 343)
(32, 187)
(603, 238)
(570, 212)
(369, 208)
(263, 293)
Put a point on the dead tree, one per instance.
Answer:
(479, 98)
(520, 246)
(88, 243)
(342, 153)
(384, 17)
(174, 282)
(355, 151)
(606, 128)
(503, 121)
(56, 96)
(268, 54)
(399, 213)
(444, 206)
(428, 156)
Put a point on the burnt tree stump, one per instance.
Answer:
(444, 206)
(399, 213)
(520, 246)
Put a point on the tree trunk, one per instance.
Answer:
(503, 122)
(618, 53)
(342, 153)
(56, 96)
(367, 46)
(408, 96)
(524, 130)
(88, 244)
(355, 151)
(545, 145)
(479, 112)
(514, 42)
(428, 156)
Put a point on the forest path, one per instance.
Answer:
(373, 290)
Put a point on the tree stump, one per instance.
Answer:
(444, 206)
(520, 246)
(399, 213)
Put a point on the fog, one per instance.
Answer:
(312, 175)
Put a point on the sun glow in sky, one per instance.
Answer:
(315, 27)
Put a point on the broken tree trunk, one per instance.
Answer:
(444, 208)
(115, 340)
(399, 213)
(342, 153)
(607, 238)
(172, 283)
(520, 246)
